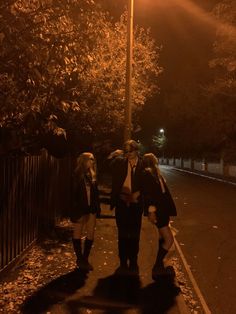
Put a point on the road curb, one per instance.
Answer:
(192, 279)
(180, 302)
(207, 176)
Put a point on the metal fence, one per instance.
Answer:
(34, 193)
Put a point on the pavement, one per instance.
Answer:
(103, 291)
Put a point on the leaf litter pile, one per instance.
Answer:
(187, 290)
(45, 262)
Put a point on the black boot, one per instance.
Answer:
(133, 256)
(122, 249)
(133, 266)
(158, 268)
(77, 244)
(87, 248)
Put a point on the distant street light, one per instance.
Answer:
(129, 61)
(162, 131)
(162, 141)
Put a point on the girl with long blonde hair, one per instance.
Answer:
(160, 207)
(85, 207)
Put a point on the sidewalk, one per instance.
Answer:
(55, 287)
(101, 291)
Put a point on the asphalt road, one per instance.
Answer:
(206, 225)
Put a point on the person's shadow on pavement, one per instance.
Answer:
(117, 293)
(54, 292)
(159, 296)
(114, 294)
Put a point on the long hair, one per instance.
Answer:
(81, 170)
(150, 162)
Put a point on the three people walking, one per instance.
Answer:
(137, 187)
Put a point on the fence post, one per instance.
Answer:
(224, 167)
(204, 165)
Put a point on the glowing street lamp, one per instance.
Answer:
(129, 61)
(162, 132)
(162, 140)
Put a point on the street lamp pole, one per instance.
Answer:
(129, 62)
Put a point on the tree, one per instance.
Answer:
(203, 113)
(109, 71)
(159, 142)
(63, 68)
(224, 61)
(222, 92)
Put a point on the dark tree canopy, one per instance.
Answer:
(63, 69)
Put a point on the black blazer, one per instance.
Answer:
(153, 195)
(119, 168)
(79, 198)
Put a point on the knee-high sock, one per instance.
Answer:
(133, 250)
(77, 244)
(160, 255)
(87, 248)
(123, 250)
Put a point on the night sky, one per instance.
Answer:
(186, 38)
(186, 32)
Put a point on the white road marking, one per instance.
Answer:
(192, 279)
